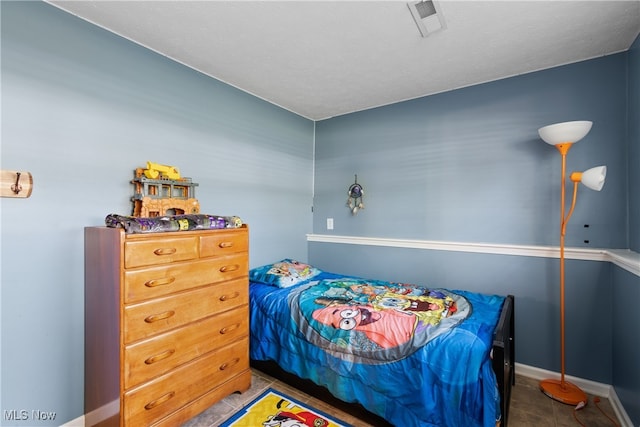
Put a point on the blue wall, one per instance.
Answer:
(625, 316)
(469, 166)
(81, 109)
(634, 146)
(626, 334)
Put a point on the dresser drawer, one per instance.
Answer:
(155, 356)
(138, 253)
(152, 282)
(159, 315)
(223, 243)
(148, 403)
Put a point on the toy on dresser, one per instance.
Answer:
(161, 190)
(132, 224)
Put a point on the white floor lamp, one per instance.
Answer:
(563, 136)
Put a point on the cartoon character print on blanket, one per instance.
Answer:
(370, 321)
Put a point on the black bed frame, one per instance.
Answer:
(504, 355)
(503, 366)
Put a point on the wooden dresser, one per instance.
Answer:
(166, 324)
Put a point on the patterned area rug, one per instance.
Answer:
(275, 409)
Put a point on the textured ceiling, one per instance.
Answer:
(322, 58)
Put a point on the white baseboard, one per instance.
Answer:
(590, 387)
(78, 422)
(620, 412)
(95, 416)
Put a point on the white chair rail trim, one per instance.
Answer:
(623, 258)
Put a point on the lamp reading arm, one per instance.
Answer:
(565, 220)
(593, 179)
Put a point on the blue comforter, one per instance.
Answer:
(413, 355)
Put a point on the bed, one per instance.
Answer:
(407, 354)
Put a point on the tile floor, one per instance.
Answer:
(529, 407)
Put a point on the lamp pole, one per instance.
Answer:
(564, 149)
(562, 390)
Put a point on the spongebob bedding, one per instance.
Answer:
(413, 355)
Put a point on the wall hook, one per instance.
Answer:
(15, 184)
(17, 188)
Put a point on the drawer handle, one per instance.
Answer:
(165, 251)
(228, 365)
(159, 357)
(228, 297)
(224, 245)
(228, 329)
(228, 268)
(160, 400)
(160, 316)
(160, 282)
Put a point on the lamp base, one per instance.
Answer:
(564, 392)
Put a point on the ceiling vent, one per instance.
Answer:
(428, 16)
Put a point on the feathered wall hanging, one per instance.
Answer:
(354, 202)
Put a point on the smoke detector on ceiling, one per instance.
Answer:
(428, 16)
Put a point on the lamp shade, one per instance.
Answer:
(594, 177)
(565, 132)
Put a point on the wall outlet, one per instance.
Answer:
(329, 223)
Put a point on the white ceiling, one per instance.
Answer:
(327, 58)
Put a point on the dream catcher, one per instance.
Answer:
(355, 197)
